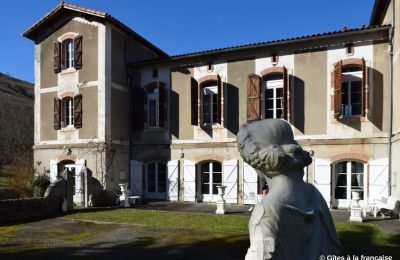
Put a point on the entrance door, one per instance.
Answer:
(348, 175)
(211, 177)
(156, 181)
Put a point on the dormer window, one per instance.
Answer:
(68, 53)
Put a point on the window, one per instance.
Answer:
(68, 108)
(68, 112)
(349, 49)
(274, 59)
(351, 91)
(156, 180)
(349, 175)
(211, 177)
(68, 53)
(207, 102)
(273, 101)
(152, 97)
(210, 104)
(155, 104)
(268, 96)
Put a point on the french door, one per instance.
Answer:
(211, 177)
(156, 181)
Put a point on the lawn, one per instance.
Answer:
(148, 234)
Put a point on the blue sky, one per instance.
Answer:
(182, 26)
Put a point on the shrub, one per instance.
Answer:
(40, 184)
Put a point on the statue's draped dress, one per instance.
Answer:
(280, 231)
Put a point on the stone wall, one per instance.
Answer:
(18, 209)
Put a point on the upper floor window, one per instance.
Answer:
(153, 109)
(268, 97)
(210, 104)
(207, 101)
(350, 97)
(68, 51)
(68, 108)
(68, 54)
(273, 101)
(68, 112)
(351, 91)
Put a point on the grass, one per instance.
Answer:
(167, 219)
(150, 234)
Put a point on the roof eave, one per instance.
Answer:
(257, 46)
(380, 7)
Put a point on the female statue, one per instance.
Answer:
(293, 220)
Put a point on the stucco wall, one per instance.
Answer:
(47, 131)
(310, 74)
(236, 94)
(119, 115)
(89, 51)
(89, 116)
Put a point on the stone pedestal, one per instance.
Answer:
(124, 197)
(355, 210)
(221, 201)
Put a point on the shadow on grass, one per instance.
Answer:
(229, 247)
(367, 240)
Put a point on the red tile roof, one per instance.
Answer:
(29, 33)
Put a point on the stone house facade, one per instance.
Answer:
(112, 102)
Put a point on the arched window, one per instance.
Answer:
(350, 88)
(273, 96)
(349, 175)
(155, 105)
(211, 177)
(209, 103)
(68, 52)
(153, 111)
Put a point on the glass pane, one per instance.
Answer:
(356, 86)
(151, 178)
(217, 178)
(215, 108)
(345, 93)
(341, 167)
(205, 167)
(341, 180)
(205, 177)
(279, 92)
(356, 109)
(279, 113)
(269, 113)
(356, 98)
(206, 109)
(162, 177)
(217, 167)
(357, 180)
(357, 167)
(205, 188)
(152, 113)
(215, 189)
(340, 193)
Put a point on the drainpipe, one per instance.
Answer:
(130, 114)
(390, 128)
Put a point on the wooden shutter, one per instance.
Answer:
(57, 57)
(253, 97)
(364, 100)
(286, 95)
(78, 111)
(138, 108)
(57, 113)
(161, 105)
(78, 52)
(220, 96)
(337, 89)
(195, 103)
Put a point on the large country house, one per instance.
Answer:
(109, 100)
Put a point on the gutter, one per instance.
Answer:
(390, 105)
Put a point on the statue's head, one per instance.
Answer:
(269, 146)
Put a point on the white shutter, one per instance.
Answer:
(173, 175)
(79, 164)
(322, 178)
(230, 175)
(189, 181)
(250, 184)
(136, 178)
(78, 196)
(378, 179)
(53, 170)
